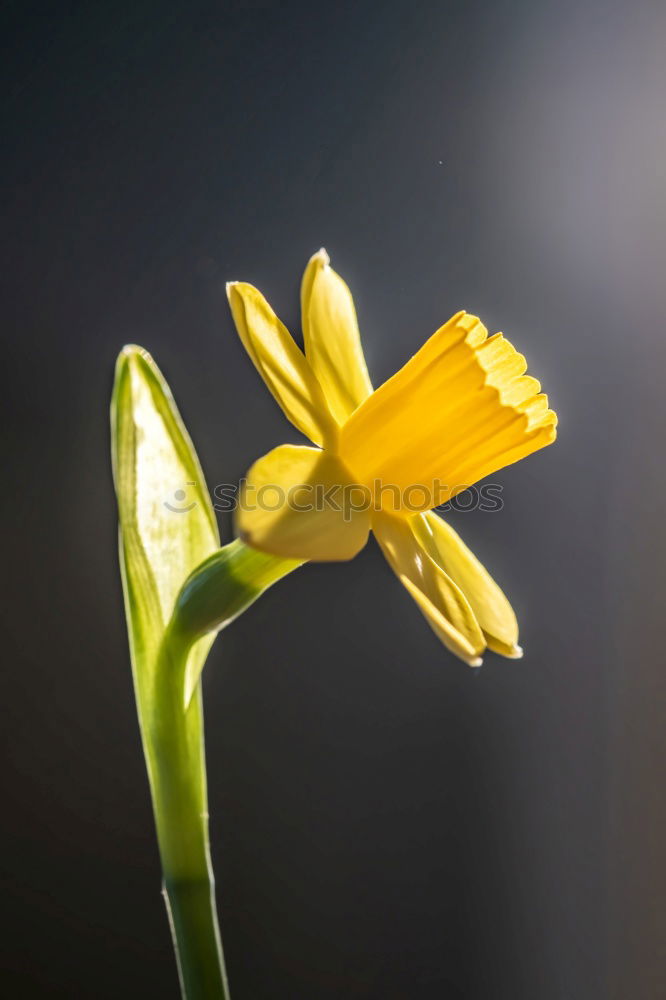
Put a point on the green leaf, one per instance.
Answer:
(167, 527)
(167, 523)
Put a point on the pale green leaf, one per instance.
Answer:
(167, 523)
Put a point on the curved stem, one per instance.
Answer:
(226, 584)
(220, 589)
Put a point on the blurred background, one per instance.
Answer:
(386, 823)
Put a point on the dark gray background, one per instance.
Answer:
(386, 823)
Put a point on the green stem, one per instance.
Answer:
(178, 782)
(226, 584)
(196, 938)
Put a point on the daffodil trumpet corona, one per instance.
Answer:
(460, 409)
(380, 460)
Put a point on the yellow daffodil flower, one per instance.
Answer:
(459, 410)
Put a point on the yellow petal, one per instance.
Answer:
(300, 503)
(460, 409)
(281, 363)
(443, 604)
(331, 336)
(491, 608)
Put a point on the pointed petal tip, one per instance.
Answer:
(477, 662)
(323, 256)
(517, 652)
